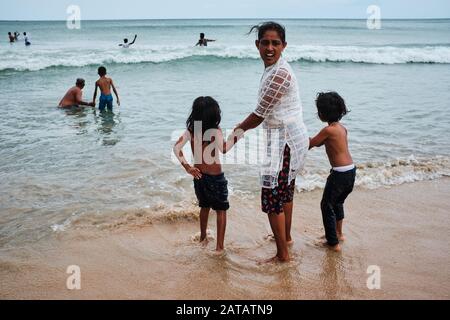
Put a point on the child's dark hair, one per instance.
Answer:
(206, 110)
(202, 35)
(101, 71)
(330, 106)
(269, 25)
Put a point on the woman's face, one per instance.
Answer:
(270, 47)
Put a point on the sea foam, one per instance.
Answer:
(40, 59)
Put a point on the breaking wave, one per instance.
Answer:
(45, 58)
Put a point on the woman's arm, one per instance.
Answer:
(223, 146)
(274, 88)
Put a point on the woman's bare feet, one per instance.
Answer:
(273, 260)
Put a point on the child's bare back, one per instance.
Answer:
(336, 145)
(104, 83)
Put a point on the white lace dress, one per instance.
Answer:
(280, 106)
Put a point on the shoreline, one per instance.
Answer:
(403, 229)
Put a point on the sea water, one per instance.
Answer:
(59, 168)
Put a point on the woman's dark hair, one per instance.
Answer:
(269, 25)
(330, 106)
(206, 110)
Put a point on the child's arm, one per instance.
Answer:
(115, 92)
(320, 138)
(178, 151)
(95, 93)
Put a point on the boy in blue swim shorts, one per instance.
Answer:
(105, 84)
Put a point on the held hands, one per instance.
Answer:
(91, 104)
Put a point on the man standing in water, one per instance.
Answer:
(73, 97)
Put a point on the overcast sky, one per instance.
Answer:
(193, 9)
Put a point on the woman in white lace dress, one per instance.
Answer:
(279, 109)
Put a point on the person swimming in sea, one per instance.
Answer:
(203, 42)
(125, 43)
(11, 37)
(26, 39)
(74, 97)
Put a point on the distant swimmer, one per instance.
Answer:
(203, 41)
(125, 43)
(27, 41)
(105, 84)
(11, 37)
(73, 97)
(16, 36)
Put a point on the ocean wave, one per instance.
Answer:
(370, 175)
(373, 175)
(42, 59)
(139, 217)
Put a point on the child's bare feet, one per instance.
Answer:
(335, 248)
(289, 241)
(219, 252)
(271, 237)
(340, 237)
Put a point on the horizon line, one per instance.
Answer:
(143, 19)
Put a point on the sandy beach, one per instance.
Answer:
(404, 230)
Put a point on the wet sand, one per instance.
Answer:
(404, 230)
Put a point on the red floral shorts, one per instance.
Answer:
(272, 200)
